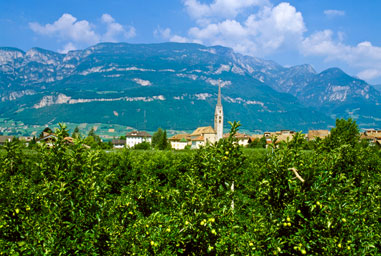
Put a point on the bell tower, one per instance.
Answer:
(219, 116)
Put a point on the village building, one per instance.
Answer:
(26, 138)
(278, 136)
(284, 137)
(202, 136)
(313, 134)
(180, 141)
(243, 139)
(256, 137)
(136, 137)
(372, 136)
(5, 139)
(118, 143)
(50, 138)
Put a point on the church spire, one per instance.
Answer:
(219, 94)
(219, 116)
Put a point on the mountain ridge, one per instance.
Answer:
(161, 75)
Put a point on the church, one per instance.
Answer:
(204, 135)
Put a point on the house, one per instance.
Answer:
(118, 143)
(313, 134)
(256, 137)
(372, 136)
(282, 135)
(180, 141)
(50, 138)
(198, 142)
(136, 137)
(203, 136)
(268, 136)
(26, 138)
(243, 139)
(286, 132)
(373, 133)
(5, 139)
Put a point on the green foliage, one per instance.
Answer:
(46, 130)
(345, 132)
(258, 143)
(92, 134)
(76, 134)
(217, 200)
(94, 141)
(143, 146)
(159, 140)
(32, 143)
(62, 130)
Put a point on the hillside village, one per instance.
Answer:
(201, 136)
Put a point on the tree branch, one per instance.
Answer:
(296, 174)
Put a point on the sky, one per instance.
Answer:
(323, 33)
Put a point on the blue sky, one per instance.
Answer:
(324, 33)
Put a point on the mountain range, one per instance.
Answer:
(174, 86)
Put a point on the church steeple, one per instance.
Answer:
(219, 116)
(219, 95)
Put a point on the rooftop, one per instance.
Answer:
(180, 137)
(138, 134)
(203, 130)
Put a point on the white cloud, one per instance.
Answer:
(179, 39)
(220, 8)
(334, 13)
(68, 47)
(364, 55)
(369, 74)
(76, 32)
(259, 28)
(167, 35)
(116, 30)
(69, 28)
(107, 18)
(163, 33)
(263, 32)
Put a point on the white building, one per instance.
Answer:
(5, 139)
(118, 143)
(135, 137)
(242, 139)
(180, 141)
(202, 136)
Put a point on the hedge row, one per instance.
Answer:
(69, 200)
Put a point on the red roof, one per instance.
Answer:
(199, 138)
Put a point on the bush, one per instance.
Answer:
(143, 146)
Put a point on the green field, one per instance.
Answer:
(218, 200)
